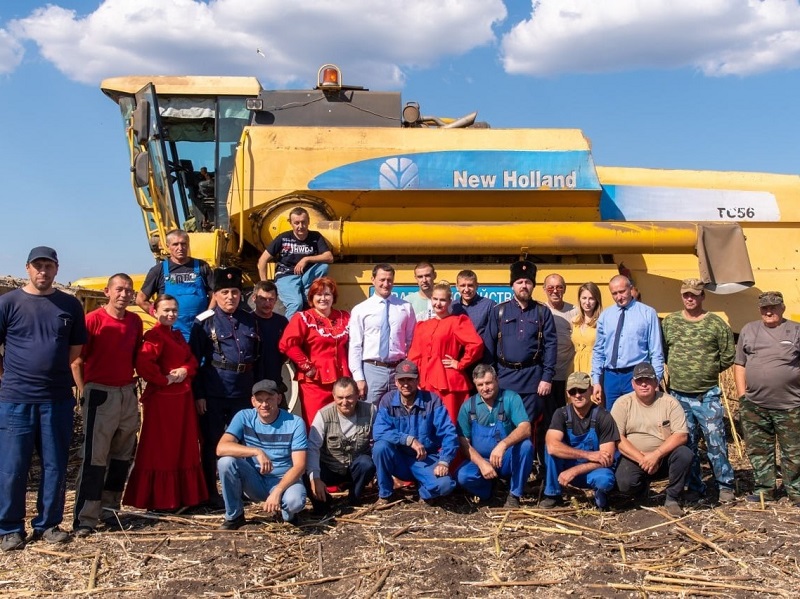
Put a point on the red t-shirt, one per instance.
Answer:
(110, 352)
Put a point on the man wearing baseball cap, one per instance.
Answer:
(414, 438)
(652, 439)
(43, 330)
(263, 456)
(580, 446)
(225, 342)
(699, 347)
(767, 375)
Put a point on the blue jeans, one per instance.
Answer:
(402, 462)
(239, 475)
(359, 474)
(704, 414)
(517, 465)
(292, 289)
(47, 428)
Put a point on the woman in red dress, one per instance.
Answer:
(316, 341)
(167, 473)
(444, 347)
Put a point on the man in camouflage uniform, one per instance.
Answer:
(699, 346)
(767, 374)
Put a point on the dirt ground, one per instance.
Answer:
(456, 549)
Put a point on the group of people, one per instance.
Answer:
(441, 394)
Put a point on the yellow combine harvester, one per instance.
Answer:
(227, 160)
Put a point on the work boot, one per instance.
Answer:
(52, 535)
(512, 502)
(12, 541)
(726, 495)
(673, 508)
(548, 502)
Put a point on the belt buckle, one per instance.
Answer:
(240, 368)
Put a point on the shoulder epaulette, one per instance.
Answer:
(204, 315)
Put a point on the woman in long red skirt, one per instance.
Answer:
(316, 341)
(167, 473)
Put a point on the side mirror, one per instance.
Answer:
(141, 169)
(141, 122)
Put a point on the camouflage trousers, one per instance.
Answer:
(705, 415)
(762, 427)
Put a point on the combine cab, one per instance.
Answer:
(227, 160)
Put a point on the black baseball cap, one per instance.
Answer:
(42, 252)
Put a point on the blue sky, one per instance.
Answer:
(653, 84)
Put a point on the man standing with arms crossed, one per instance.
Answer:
(699, 347)
(185, 278)
(104, 375)
(381, 328)
(43, 330)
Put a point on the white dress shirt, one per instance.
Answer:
(365, 331)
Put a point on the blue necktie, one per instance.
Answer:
(617, 335)
(385, 334)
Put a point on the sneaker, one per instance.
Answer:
(234, 524)
(82, 532)
(12, 541)
(549, 502)
(673, 508)
(512, 502)
(54, 535)
(726, 495)
(601, 500)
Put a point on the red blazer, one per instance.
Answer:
(454, 336)
(163, 350)
(310, 339)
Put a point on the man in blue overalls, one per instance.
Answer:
(185, 278)
(494, 430)
(225, 342)
(580, 446)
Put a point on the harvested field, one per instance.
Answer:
(456, 549)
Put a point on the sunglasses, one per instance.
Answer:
(552, 288)
(574, 392)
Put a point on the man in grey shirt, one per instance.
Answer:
(767, 374)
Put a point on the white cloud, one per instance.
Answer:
(371, 40)
(10, 52)
(718, 37)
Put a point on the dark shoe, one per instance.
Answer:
(673, 508)
(384, 501)
(756, 497)
(82, 532)
(234, 524)
(691, 497)
(216, 502)
(12, 541)
(726, 496)
(601, 500)
(52, 535)
(549, 502)
(512, 502)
